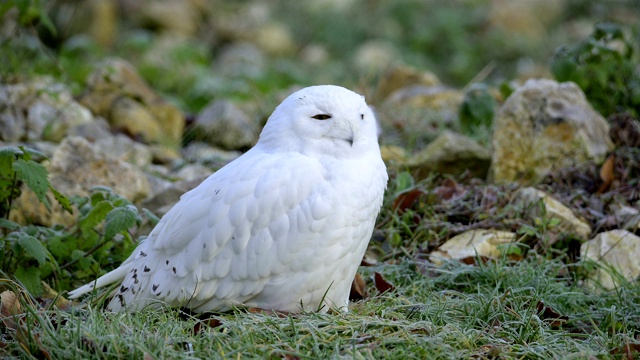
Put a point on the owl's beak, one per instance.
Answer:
(350, 136)
(346, 131)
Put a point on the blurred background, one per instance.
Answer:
(194, 50)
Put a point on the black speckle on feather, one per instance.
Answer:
(123, 289)
(143, 254)
(155, 287)
(121, 298)
(167, 262)
(174, 270)
(146, 269)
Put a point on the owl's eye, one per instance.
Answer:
(322, 116)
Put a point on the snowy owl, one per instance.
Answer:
(283, 227)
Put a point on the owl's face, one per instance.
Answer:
(323, 119)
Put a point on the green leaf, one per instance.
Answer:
(119, 220)
(83, 260)
(61, 199)
(96, 215)
(8, 224)
(30, 153)
(46, 21)
(30, 278)
(35, 176)
(10, 151)
(60, 248)
(477, 109)
(404, 180)
(33, 247)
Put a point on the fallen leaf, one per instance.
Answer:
(406, 200)
(9, 308)
(628, 351)
(210, 322)
(358, 289)
(473, 260)
(607, 174)
(449, 190)
(381, 284)
(547, 313)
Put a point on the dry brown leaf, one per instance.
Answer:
(607, 173)
(449, 190)
(381, 284)
(202, 324)
(406, 200)
(628, 351)
(9, 308)
(473, 260)
(358, 289)
(547, 313)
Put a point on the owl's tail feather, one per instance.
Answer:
(106, 279)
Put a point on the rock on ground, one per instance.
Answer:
(40, 109)
(617, 249)
(451, 153)
(542, 125)
(223, 124)
(75, 168)
(116, 92)
(402, 76)
(473, 243)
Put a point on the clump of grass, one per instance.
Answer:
(528, 309)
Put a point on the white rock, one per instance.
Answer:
(75, 168)
(39, 110)
(487, 243)
(618, 249)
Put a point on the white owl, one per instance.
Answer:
(283, 227)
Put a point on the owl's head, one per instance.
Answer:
(323, 119)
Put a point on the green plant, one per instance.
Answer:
(18, 165)
(29, 12)
(477, 111)
(65, 256)
(604, 66)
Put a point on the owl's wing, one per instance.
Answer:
(219, 244)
